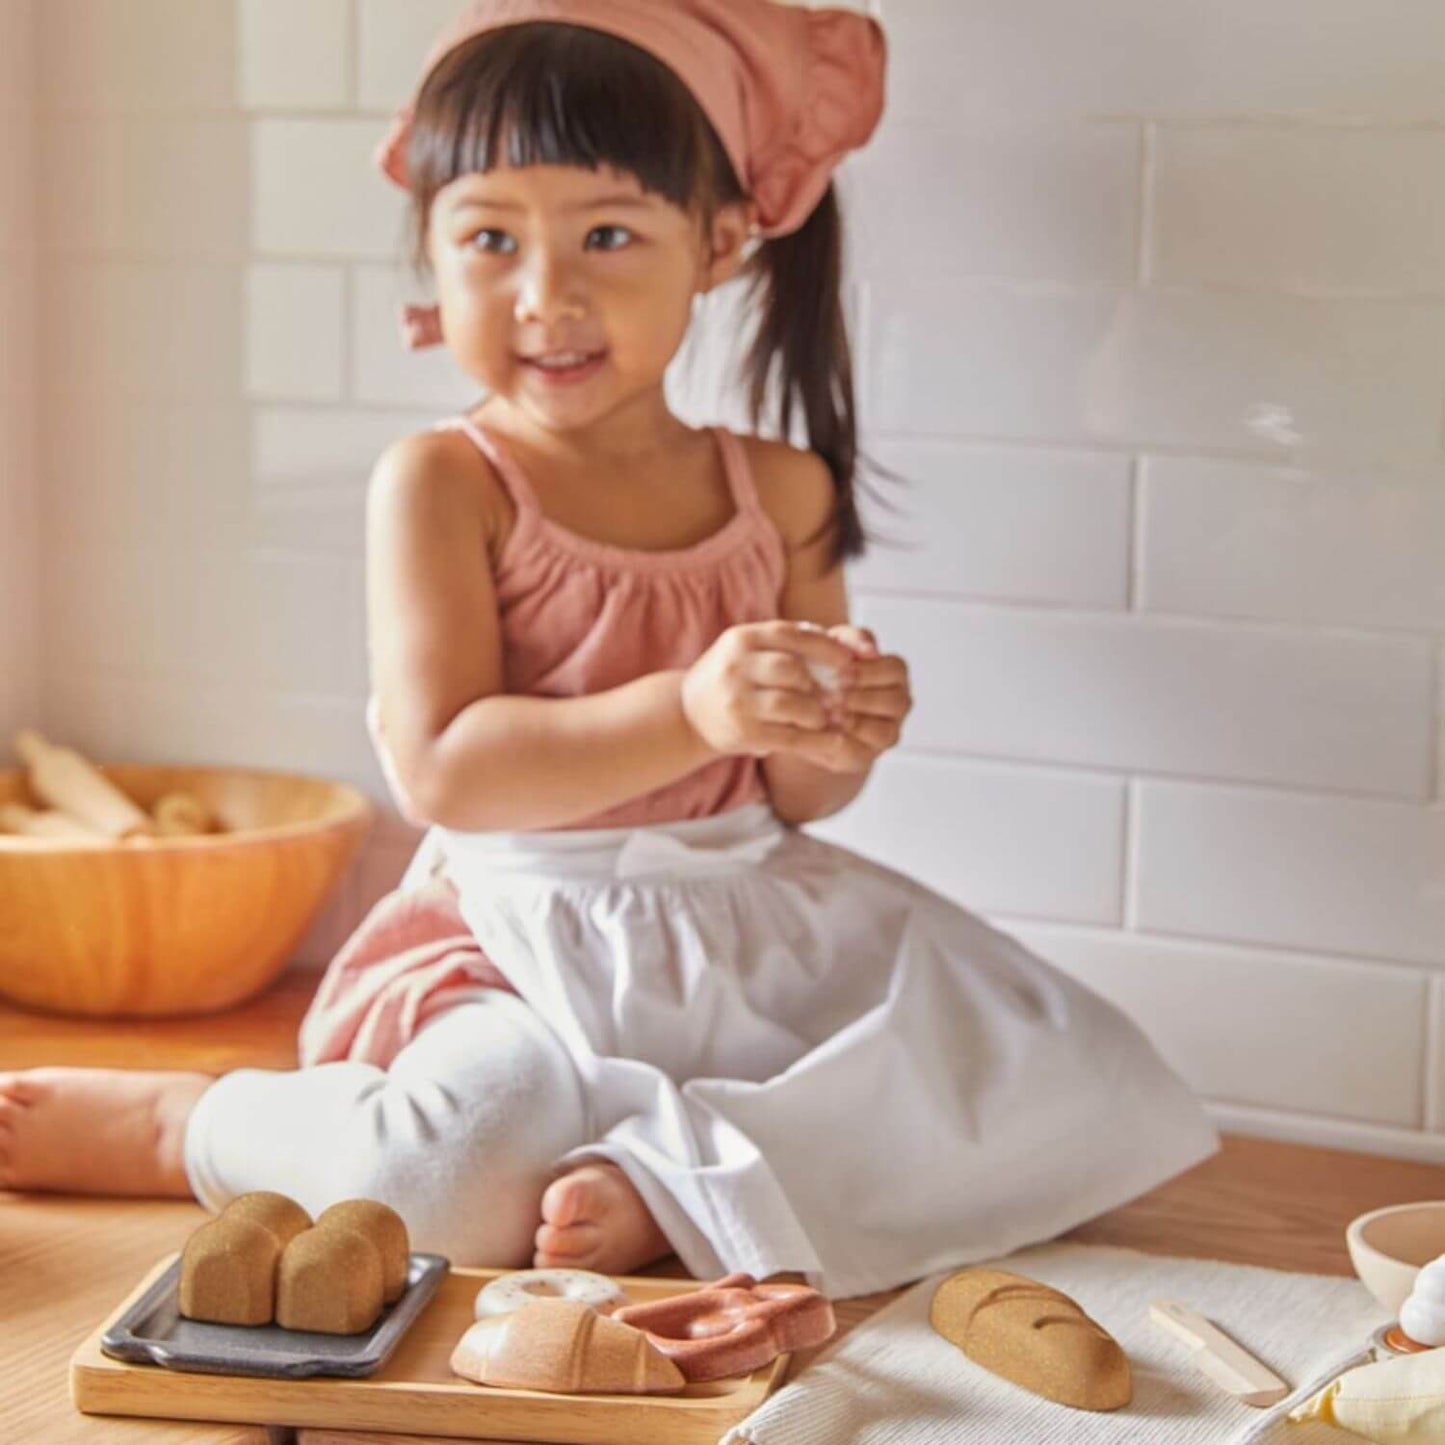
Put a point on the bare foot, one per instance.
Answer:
(594, 1218)
(96, 1131)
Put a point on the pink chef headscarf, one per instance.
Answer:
(790, 91)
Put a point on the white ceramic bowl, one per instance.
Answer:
(1388, 1247)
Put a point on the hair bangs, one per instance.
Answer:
(561, 95)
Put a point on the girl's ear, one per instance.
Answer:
(732, 229)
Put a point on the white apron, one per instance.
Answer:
(806, 1061)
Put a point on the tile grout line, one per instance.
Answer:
(1430, 1110)
(1437, 719)
(1231, 622)
(1144, 236)
(1129, 873)
(353, 47)
(1304, 955)
(349, 358)
(1135, 542)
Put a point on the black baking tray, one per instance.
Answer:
(154, 1332)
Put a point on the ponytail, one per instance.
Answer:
(800, 353)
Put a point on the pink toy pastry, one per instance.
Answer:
(734, 1326)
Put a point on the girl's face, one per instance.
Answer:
(568, 291)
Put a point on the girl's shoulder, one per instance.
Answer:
(794, 486)
(439, 467)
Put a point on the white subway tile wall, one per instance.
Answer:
(296, 57)
(1149, 308)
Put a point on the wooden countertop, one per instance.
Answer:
(66, 1262)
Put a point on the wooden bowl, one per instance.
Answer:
(173, 925)
(1388, 1247)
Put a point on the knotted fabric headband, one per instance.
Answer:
(790, 91)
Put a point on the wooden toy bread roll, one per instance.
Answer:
(182, 815)
(276, 1212)
(65, 780)
(329, 1280)
(567, 1347)
(386, 1229)
(228, 1272)
(46, 823)
(1033, 1335)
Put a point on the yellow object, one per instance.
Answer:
(180, 925)
(179, 815)
(1392, 1402)
(43, 823)
(71, 783)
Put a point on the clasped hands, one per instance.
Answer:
(763, 688)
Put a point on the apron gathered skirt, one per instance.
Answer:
(804, 1060)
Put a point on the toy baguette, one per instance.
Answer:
(62, 778)
(1033, 1335)
(45, 823)
(564, 1346)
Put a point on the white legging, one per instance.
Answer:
(460, 1135)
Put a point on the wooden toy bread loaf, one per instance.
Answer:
(329, 1281)
(1033, 1335)
(564, 1346)
(228, 1272)
(282, 1216)
(261, 1259)
(384, 1227)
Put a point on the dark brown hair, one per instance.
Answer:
(544, 93)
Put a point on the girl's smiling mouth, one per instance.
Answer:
(565, 367)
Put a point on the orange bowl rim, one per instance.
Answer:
(355, 810)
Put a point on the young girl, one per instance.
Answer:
(620, 1004)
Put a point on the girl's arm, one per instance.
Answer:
(797, 491)
(464, 754)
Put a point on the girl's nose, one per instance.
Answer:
(549, 292)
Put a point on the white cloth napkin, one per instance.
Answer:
(893, 1381)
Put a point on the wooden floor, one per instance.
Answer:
(66, 1262)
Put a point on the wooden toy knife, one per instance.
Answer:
(1229, 1365)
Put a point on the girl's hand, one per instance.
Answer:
(869, 709)
(751, 692)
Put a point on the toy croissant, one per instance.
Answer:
(565, 1346)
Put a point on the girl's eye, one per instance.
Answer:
(612, 231)
(483, 239)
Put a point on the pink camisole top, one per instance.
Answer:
(580, 616)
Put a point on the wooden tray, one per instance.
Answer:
(415, 1392)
